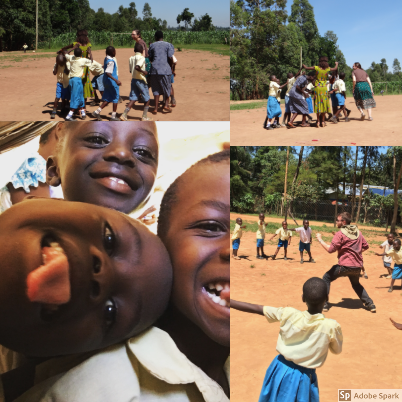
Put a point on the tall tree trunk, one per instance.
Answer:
(296, 176)
(354, 184)
(396, 204)
(361, 184)
(344, 178)
(286, 183)
(336, 203)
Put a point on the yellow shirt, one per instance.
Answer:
(146, 368)
(261, 230)
(77, 65)
(273, 89)
(237, 232)
(61, 77)
(96, 68)
(339, 86)
(290, 85)
(137, 60)
(396, 255)
(304, 338)
(284, 234)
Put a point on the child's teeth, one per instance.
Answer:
(223, 303)
(227, 286)
(216, 299)
(117, 180)
(219, 287)
(211, 286)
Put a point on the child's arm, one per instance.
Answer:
(114, 79)
(174, 69)
(272, 237)
(380, 255)
(247, 307)
(55, 69)
(138, 68)
(396, 325)
(90, 54)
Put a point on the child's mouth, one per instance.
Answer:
(219, 292)
(115, 184)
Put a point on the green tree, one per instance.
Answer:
(396, 66)
(185, 17)
(203, 24)
(146, 11)
(331, 36)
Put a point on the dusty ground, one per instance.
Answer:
(201, 86)
(371, 356)
(385, 129)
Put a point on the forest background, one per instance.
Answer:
(266, 40)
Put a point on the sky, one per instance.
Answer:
(169, 10)
(367, 30)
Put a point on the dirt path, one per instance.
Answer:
(201, 87)
(371, 356)
(385, 129)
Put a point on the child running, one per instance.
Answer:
(261, 237)
(62, 70)
(139, 87)
(305, 240)
(111, 83)
(339, 88)
(303, 343)
(387, 260)
(236, 236)
(396, 254)
(77, 64)
(285, 237)
(273, 106)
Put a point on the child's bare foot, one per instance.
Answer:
(305, 125)
(290, 125)
(236, 258)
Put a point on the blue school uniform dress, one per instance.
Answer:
(77, 100)
(111, 92)
(273, 106)
(303, 344)
(97, 83)
(237, 233)
(334, 99)
(397, 272)
(310, 105)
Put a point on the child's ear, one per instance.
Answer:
(52, 172)
(303, 299)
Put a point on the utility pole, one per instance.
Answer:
(36, 48)
(286, 182)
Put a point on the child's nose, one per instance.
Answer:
(120, 154)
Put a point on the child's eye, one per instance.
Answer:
(110, 312)
(109, 239)
(210, 228)
(97, 140)
(144, 152)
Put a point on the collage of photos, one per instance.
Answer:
(155, 156)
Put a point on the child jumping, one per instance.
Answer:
(261, 237)
(139, 85)
(387, 246)
(305, 240)
(111, 83)
(285, 237)
(396, 254)
(236, 236)
(62, 70)
(303, 343)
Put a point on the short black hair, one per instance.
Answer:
(110, 51)
(170, 197)
(315, 291)
(158, 35)
(311, 74)
(138, 48)
(342, 75)
(398, 241)
(289, 75)
(271, 77)
(77, 52)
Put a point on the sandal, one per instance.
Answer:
(363, 116)
(236, 258)
(290, 125)
(370, 119)
(168, 109)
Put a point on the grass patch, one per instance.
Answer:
(18, 58)
(252, 266)
(251, 105)
(213, 48)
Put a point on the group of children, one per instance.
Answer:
(69, 70)
(98, 283)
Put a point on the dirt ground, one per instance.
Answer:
(201, 87)
(371, 357)
(385, 129)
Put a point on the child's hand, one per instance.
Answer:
(396, 325)
(333, 233)
(318, 236)
(118, 83)
(174, 74)
(377, 254)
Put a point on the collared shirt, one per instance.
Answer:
(304, 338)
(146, 368)
(77, 65)
(237, 232)
(137, 60)
(158, 55)
(305, 235)
(61, 76)
(395, 255)
(96, 68)
(273, 88)
(261, 230)
(284, 234)
(387, 247)
(290, 85)
(349, 250)
(339, 86)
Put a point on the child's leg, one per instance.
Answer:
(258, 251)
(156, 97)
(301, 255)
(391, 288)
(114, 118)
(172, 98)
(127, 109)
(276, 253)
(53, 114)
(96, 113)
(262, 251)
(285, 250)
(290, 124)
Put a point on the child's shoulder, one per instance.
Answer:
(331, 323)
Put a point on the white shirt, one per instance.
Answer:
(96, 68)
(305, 235)
(387, 247)
(77, 65)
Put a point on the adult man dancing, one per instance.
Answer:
(350, 244)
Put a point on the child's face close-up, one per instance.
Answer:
(306, 224)
(119, 276)
(396, 245)
(284, 225)
(112, 165)
(239, 221)
(198, 244)
(390, 239)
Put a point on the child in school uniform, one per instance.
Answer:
(285, 237)
(387, 246)
(339, 91)
(111, 83)
(260, 237)
(273, 106)
(62, 70)
(305, 240)
(77, 64)
(304, 340)
(236, 236)
(139, 85)
(172, 98)
(396, 254)
(97, 81)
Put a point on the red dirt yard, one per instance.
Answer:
(371, 357)
(201, 86)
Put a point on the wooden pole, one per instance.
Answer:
(301, 57)
(286, 182)
(36, 25)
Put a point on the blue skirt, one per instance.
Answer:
(310, 105)
(286, 381)
(77, 93)
(273, 108)
(111, 92)
(397, 272)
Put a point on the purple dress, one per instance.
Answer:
(297, 102)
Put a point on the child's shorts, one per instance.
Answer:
(287, 106)
(235, 244)
(387, 265)
(97, 83)
(340, 98)
(397, 272)
(139, 87)
(304, 246)
(172, 78)
(61, 92)
(260, 242)
(283, 243)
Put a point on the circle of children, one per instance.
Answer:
(154, 67)
(96, 282)
(318, 87)
(306, 336)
